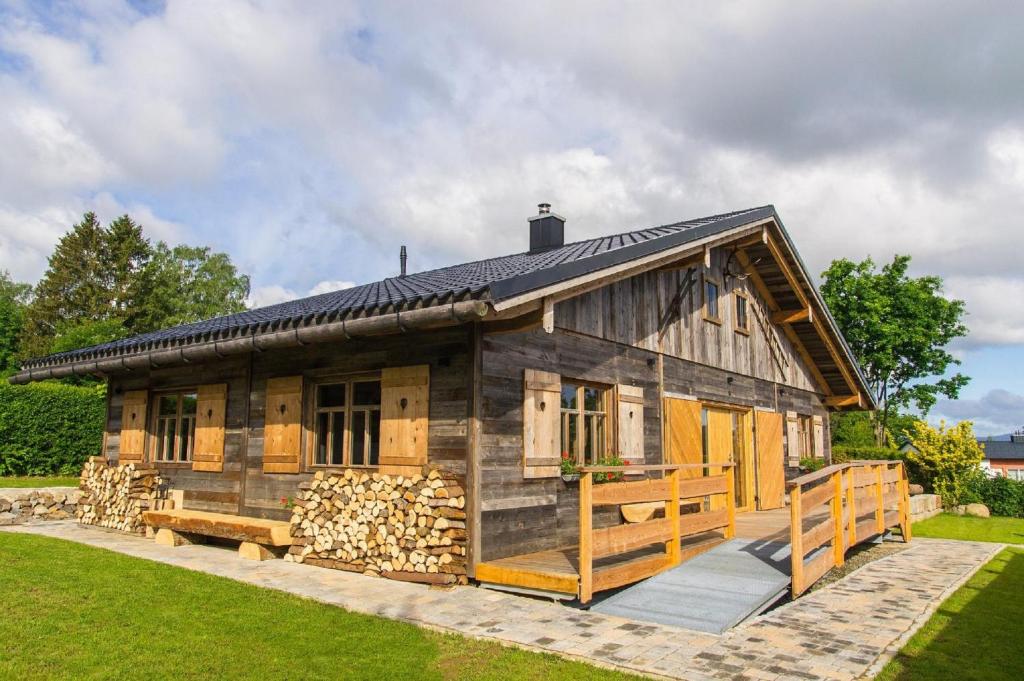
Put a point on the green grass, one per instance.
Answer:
(948, 526)
(975, 634)
(38, 481)
(74, 611)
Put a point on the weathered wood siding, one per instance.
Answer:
(632, 312)
(243, 487)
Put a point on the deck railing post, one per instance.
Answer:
(904, 492)
(730, 501)
(851, 507)
(838, 540)
(586, 537)
(673, 550)
(880, 494)
(796, 530)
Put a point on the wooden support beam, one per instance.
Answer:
(548, 318)
(844, 401)
(707, 257)
(804, 314)
(787, 272)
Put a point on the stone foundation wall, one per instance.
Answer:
(923, 506)
(19, 506)
(406, 528)
(117, 496)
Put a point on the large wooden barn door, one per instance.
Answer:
(771, 474)
(720, 445)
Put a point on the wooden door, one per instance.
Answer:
(720, 445)
(684, 441)
(771, 473)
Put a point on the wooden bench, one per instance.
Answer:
(258, 536)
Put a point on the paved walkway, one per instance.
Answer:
(845, 631)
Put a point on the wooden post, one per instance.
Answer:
(587, 538)
(673, 551)
(851, 508)
(730, 501)
(838, 539)
(880, 494)
(904, 489)
(796, 531)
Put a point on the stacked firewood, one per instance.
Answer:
(408, 528)
(117, 496)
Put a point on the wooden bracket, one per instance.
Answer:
(844, 401)
(548, 318)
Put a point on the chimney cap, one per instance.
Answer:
(543, 208)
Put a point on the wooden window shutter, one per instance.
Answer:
(793, 446)
(282, 427)
(404, 419)
(132, 444)
(208, 448)
(630, 423)
(819, 436)
(771, 463)
(542, 416)
(684, 436)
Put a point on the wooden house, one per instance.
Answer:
(701, 342)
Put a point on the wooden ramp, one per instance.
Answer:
(711, 593)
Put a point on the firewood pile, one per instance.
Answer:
(406, 528)
(116, 496)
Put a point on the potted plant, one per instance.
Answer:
(570, 471)
(612, 460)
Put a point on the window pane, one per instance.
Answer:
(599, 451)
(188, 403)
(168, 405)
(592, 399)
(374, 417)
(337, 438)
(569, 428)
(358, 438)
(711, 298)
(167, 450)
(185, 438)
(741, 312)
(320, 456)
(569, 396)
(366, 393)
(332, 395)
(588, 439)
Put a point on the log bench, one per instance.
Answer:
(258, 536)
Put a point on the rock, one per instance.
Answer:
(7, 518)
(5, 506)
(977, 510)
(916, 489)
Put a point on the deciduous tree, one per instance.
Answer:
(899, 328)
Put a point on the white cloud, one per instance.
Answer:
(995, 413)
(330, 286)
(271, 294)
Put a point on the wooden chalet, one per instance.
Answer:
(699, 353)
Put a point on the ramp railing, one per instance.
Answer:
(844, 504)
(673, 490)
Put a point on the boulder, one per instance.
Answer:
(916, 489)
(977, 510)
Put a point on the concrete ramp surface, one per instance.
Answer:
(713, 592)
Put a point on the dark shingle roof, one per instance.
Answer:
(493, 279)
(1003, 449)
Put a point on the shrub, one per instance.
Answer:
(811, 464)
(49, 428)
(948, 458)
(1003, 496)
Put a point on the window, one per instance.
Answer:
(347, 427)
(175, 426)
(584, 422)
(1015, 474)
(742, 321)
(711, 301)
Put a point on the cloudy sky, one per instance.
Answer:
(309, 140)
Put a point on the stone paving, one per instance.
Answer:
(847, 630)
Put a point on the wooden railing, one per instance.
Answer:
(863, 499)
(672, 489)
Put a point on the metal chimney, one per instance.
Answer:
(403, 257)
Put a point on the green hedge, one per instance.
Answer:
(49, 428)
(1003, 496)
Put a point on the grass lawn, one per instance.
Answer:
(74, 611)
(949, 526)
(975, 634)
(38, 481)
